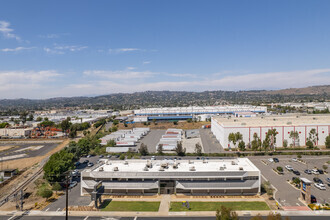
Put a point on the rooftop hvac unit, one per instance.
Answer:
(101, 169)
(126, 162)
(149, 164)
(240, 168)
(190, 162)
(145, 169)
(161, 169)
(233, 163)
(192, 168)
(115, 169)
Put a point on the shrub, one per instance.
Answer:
(280, 169)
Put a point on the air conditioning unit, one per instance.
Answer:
(115, 169)
(192, 168)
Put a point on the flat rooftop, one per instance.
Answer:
(212, 165)
(273, 121)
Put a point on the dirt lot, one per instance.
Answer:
(165, 125)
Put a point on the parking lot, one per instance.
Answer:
(24, 150)
(210, 143)
(151, 140)
(287, 195)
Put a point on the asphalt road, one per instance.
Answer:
(210, 143)
(23, 149)
(151, 139)
(146, 218)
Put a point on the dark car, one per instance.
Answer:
(320, 171)
(313, 199)
(86, 161)
(77, 164)
(276, 160)
(296, 172)
(307, 171)
(317, 180)
(116, 156)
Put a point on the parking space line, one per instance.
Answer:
(86, 218)
(58, 209)
(47, 209)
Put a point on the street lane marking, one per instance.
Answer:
(135, 218)
(47, 209)
(12, 217)
(58, 209)
(86, 218)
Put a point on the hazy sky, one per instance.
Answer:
(88, 47)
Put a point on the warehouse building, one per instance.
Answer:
(200, 113)
(15, 132)
(284, 125)
(230, 176)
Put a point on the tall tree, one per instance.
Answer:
(256, 143)
(294, 135)
(180, 150)
(225, 213)
(198, 149)
(313, 137)
(235, 138)
(65, 125)
(23, 116)
(327, 141)
(143, 149)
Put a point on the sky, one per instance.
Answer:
(85, 47)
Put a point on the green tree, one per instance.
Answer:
(56, 187)
(44, 192)
(180, 151)
(65, 125)
(198, 149)
(285, 143)
(143, 149)
(30, 118)
(73, 133)
(241, 146)
(122, 157)
(111, 143)
(23, 115)
(327, 141)
(256, 142)
(235, 137)
(160, 149)
(114, 129)
(115, 122)
(175, 122)
(57, 165)
(39, 119)
(294, 135)
(271, 133)
(225, 213)
(313, 137)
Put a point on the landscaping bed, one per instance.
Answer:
(130, 206)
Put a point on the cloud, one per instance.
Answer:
(16, 49)
(8, 32)
(182, 75)
(124, 50)
(52, 36)
(146, 62)
(64, 49)
(119, 74)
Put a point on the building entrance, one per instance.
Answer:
(167, 186)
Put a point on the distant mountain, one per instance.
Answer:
(172, 98)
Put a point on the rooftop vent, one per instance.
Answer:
(274, 119)
(126, 162)
(289, 123)
(240, 168)
(192, 168)
(222, 168)
(190, 162)
(145, 169)
(233, 163)
(115, 169)
(161, 169)
(243, 123)
(101, 169)
(314, 118)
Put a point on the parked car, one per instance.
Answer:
(315, 171)
(328, 179)
(101, 156)
(308, 171)
(320, 186)
(77, 164)
(320, 171)
(296, 172)
(88, 156)
(276, 160)
(153, 158)
(313, 199)
(73, 184)
(317, 180)
(294, 159)
(75, 173)
(90, 164)
(288, 167)
(109, 156)
(117, 156)
(270, 160)
(86, 161)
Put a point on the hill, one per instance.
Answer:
(172, 98)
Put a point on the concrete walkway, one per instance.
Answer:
(164, 205)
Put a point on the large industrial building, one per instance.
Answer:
(184, 113)
(236, 176)
(222, 127)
